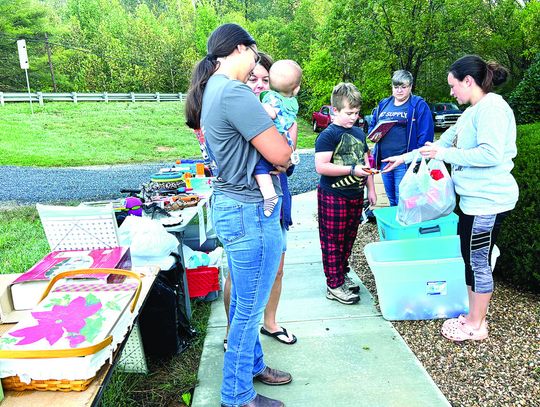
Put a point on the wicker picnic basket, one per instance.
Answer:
(15, 384)
(54, 384)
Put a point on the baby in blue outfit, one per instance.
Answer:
(282, 106)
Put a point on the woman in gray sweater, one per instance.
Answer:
(480, 147)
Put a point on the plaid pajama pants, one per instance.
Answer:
(338, 225)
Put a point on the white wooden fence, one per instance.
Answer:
(90, 97)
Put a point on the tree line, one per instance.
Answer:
(152, 45)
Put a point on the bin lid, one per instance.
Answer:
(388, 214)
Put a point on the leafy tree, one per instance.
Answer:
(206, 20)
(152, 45)
(529, 17)
(23, 19)
(320, 77)
(525, 99)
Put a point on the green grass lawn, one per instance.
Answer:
(22, 239)
(86, 133)
(69, 134)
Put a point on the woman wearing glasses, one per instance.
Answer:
(238, 131)
(413, 128)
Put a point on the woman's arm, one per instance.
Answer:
(446, 140)
(491, 132)
(273, 146)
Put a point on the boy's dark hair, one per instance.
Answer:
(346, 91)
(221, 43)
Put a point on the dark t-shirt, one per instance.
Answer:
(395, 142)
(231, 117)
(328, 140)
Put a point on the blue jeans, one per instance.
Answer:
(391, 182)
(253, 243)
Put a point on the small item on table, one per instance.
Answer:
(187, 180)
(179, 202)
(199, 168)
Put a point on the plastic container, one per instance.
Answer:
(390, 229)
(202, 281)
(201, 184)
(419, 278)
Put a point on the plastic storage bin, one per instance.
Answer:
(390, 229)
(191, 239)
(419, 278)
(202, 281)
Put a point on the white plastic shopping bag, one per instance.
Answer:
(147, 239)
(426, 194)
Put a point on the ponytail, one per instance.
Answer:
(221, 43)
(202, 72)
(485, 74)
(498, 73)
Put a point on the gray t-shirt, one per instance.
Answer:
(231, 116)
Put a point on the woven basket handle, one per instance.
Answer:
(97, 271)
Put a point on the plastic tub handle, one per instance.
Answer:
(431, 229)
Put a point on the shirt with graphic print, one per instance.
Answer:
(331, 139)
(395, 142)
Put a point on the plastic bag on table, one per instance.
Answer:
(147, 238)
(425, 195)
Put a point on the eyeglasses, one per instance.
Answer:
(402, 87)
(257, 56)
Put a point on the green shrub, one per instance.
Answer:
(519, 238)
(525, 99)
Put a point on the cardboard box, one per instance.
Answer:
(8, 315)
(28, 288)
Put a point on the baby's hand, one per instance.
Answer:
(280, 169)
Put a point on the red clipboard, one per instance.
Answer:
(381, 129)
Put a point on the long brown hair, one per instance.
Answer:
(221, 43)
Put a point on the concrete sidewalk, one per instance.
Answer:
(346, 355)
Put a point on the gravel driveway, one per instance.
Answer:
(29, 185)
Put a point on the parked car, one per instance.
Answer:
(367, 122)
(322, 118)
(445, 115)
